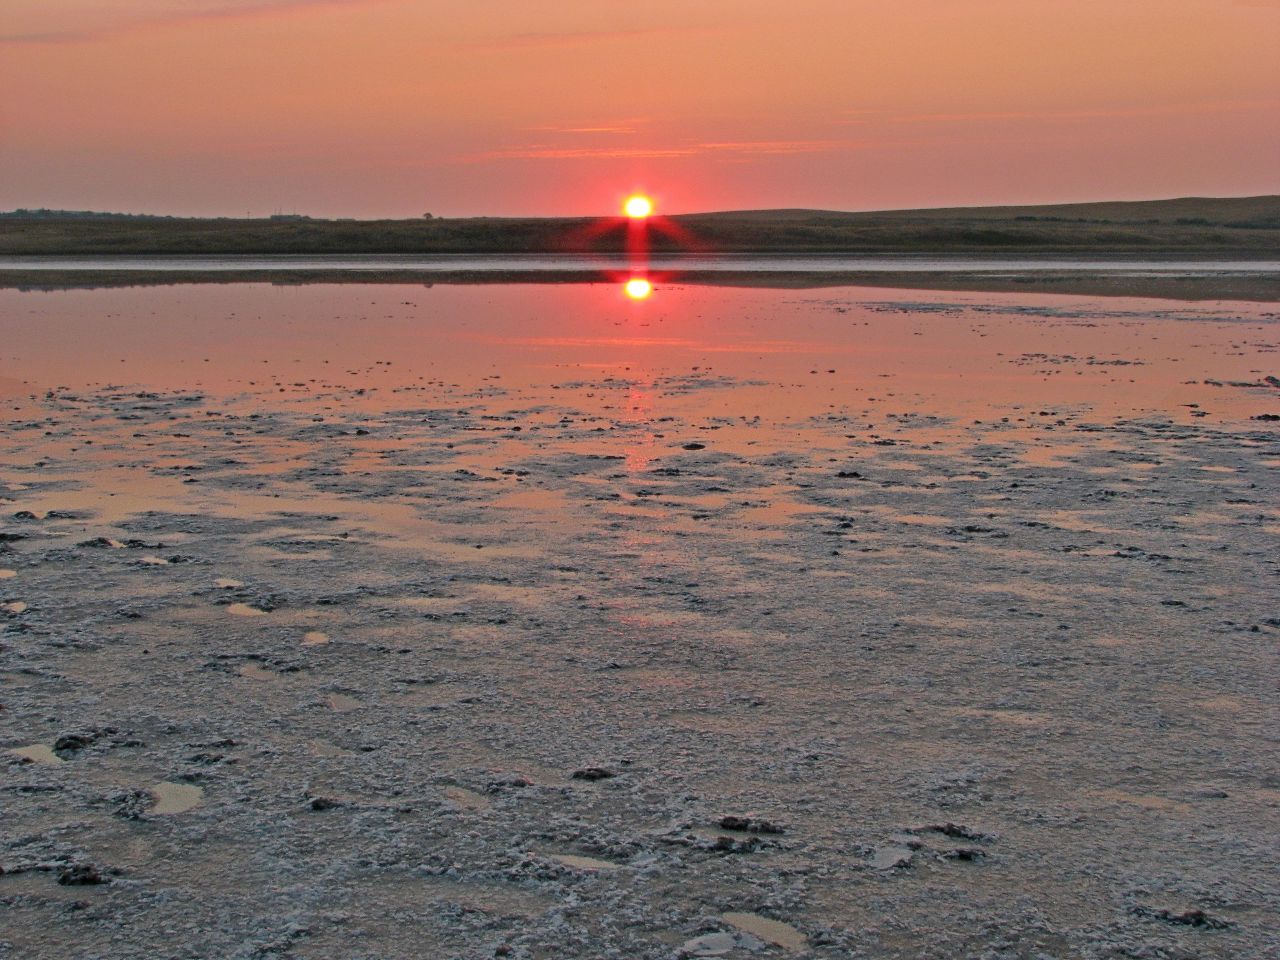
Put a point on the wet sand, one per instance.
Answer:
(375, 621)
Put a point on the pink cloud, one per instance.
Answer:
(735, 149)
(267, 8)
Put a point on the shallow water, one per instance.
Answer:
(740, 353)
(174, 798)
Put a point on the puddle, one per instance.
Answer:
(323, 749)
(175, 797)
(467, 799)
(770, 931)
(490, 898)
(890, 858)
(551, 502)
(583, 863)
(1221, 704)
(314, 638)
(1018, 718)
(38, 753)
(429, 603)
(271, 553)
(1110, 641)
(507, 593)
(244, 610)
(1144, 800)
(924, 519)
(1046, 457)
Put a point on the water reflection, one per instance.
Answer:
(730, 352)
(641, 451)
(638, 288)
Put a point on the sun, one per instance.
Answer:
(637, 206)
(638, 288)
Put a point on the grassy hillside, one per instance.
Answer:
(1247, 227)
(1261, 212)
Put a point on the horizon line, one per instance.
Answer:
(52, 212)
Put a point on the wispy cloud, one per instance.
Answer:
(619, 128)
(544, 152)
(774, 146)
(733, 149)
(266, 8)
(1053, 116)
(49, 37)
(556, 38)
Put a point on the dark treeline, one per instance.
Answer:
(44, 213)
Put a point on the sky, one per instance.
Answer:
(395, 108)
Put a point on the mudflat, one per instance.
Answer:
(474, 621)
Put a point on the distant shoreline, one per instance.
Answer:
(1238, 227)
(1187, 229)
(1244, 287)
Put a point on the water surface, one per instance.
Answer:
(740, 352)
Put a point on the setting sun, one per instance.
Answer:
(638, 288)
(638, 207)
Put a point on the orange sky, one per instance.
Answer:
(396, 107)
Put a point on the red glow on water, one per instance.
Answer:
(638, 288)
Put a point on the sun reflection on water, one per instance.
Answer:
(638, 288)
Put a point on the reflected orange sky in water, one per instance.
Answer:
(638, 288)
(397, 107)
(735, 352)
